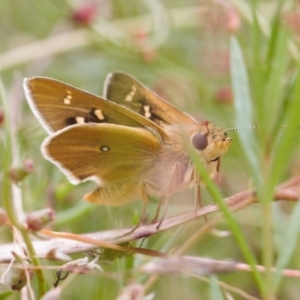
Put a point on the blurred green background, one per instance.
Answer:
(180, 50)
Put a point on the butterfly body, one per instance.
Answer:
(132, 142)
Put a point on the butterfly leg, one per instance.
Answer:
(145, 204)
(198, 198)
(176, 178)
(161, 201)
(144, 209)
(166, 201)
(217, 178)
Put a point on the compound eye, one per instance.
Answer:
(199, 141)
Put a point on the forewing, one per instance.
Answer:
(127, 91)
(106, 153)
(58, 105)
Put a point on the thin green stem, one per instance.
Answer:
(268, 253)
(236, 231)
(7, 194)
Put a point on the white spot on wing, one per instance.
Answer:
(130, 96)
(147, 111)
(104, 149)
(80, 120)
(67, 99)
(98, 113)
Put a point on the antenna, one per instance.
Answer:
(236, 128)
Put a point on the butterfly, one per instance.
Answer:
(130, 141)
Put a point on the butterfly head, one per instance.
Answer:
(212, 141)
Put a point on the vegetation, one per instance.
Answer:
(234, 63)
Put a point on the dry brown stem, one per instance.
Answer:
(70, 243)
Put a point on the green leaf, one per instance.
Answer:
(5, 294)
(215, 290)
(288, 244)
(285, 141)
(243, 109)
(236, 230)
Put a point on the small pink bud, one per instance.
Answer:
(224, 94)
(85, 15)
(292, 21)
(3, 217)
(1, 117)
(233, 21)
(29, 165)
(19, 173)
(141, 39)
(18, 278)
(37, 220)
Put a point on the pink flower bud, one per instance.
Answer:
(37, 220)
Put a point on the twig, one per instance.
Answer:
(287, 191)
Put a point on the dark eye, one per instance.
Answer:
(199, 141)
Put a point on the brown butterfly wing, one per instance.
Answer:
(127, 91)
(58, 105)
(106, 153)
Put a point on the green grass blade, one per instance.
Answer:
(235, 228)
(5, 295)
(277, 67)
(288, 244)
(286, 140)
(257, 66)
(243, 109)
(215, 290)
(7, 192)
